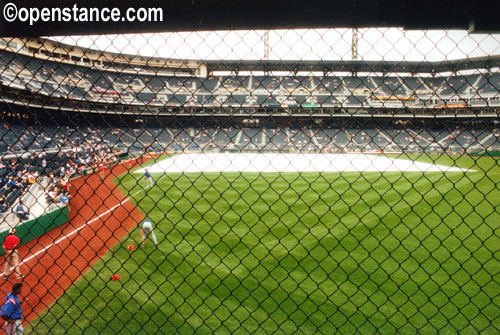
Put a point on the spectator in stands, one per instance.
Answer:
(32, 177)
(52, 195)
(65, 186)
(12, 164)
(22, 211)
(13, 183)
(62, 199)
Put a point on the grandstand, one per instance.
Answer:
(428, 92)
(254, 104)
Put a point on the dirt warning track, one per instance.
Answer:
(100, 216)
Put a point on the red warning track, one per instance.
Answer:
(100, 215)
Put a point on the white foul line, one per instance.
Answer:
(78, 229)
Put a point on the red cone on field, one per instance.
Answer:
(131, 247)
(115, 277)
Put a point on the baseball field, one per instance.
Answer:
(308, 252)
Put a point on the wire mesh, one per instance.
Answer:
(290, 181)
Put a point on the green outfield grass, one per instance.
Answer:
(406, 253)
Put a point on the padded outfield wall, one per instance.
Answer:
(31, 229)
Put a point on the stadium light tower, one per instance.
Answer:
(354, 45)
(265, 39)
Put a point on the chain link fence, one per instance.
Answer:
(252, 182)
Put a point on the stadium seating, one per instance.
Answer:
(108, 86)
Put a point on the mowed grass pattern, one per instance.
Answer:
(406, 253)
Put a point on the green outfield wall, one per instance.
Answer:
(31, 229)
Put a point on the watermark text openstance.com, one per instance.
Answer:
(76, 13)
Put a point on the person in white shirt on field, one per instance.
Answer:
(146, 230)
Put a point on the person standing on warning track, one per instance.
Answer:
(149, 179)
(11, 311)
(11, 256)
(146, 230)
(101, 170)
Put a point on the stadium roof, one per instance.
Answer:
(198, 15)
(353, 66)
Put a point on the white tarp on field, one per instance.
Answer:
(290, 162)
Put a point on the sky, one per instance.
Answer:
(389, 44)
